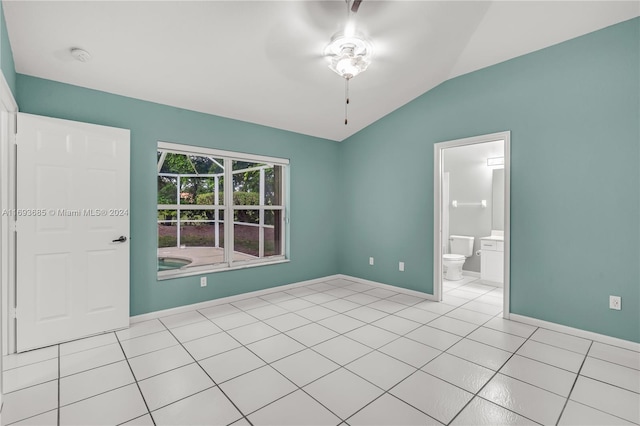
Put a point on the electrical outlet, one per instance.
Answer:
(203, 281)
(371, 261)
(401, 266)
(615, 302)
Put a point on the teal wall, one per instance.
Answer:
(6, 56)
(313, 187)
(573, 112)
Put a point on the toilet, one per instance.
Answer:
(461, 248)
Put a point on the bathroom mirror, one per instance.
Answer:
(497, 205)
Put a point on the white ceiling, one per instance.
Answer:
(261, 61)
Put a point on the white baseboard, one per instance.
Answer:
(223, 300)
(614, 341)
(602, 338)
(471, 273)
(492, 283)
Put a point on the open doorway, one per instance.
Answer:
(471, 213)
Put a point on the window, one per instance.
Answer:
(218, 210)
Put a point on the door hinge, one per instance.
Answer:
(15, 313)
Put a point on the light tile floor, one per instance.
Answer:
(333, 353)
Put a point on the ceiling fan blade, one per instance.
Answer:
(355, 5)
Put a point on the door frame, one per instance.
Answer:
(8, 111)
(437, 209)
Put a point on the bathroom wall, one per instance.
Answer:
(470, 181)
(497, 200)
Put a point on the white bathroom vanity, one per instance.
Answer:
(492, 259)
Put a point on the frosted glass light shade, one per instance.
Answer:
(348, 56)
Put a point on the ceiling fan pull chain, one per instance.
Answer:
(346, 104)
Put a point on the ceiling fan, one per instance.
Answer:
(349, 53)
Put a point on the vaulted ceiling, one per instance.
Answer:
(261, 61)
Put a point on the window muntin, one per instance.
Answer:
(193, 203)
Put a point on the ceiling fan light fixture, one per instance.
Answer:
(348, 53)
(348, 56)
(348, 66)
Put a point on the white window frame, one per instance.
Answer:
(229, 208)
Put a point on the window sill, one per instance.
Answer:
(208, 269)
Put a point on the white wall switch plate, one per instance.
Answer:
(401, 266)
(203, 281)
(371, 261)
(615, 302)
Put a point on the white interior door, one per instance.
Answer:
(73, 208)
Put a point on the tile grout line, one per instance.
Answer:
(135, 380)
(477, 394)
(504, 408)
(614, 363)
(92, 368)
(387, 391)
(298, 388)
(30, 363)
(59, 380)
(607, 383)
(301, 388)
(57, 408)
(566, 401)
(98, 394)
(604, 412)
(546, 363)
(59, 374)
(87, 349)
(560, 347)
(215, 384)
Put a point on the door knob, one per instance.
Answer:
(122, 239)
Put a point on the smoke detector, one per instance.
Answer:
(80, 54)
